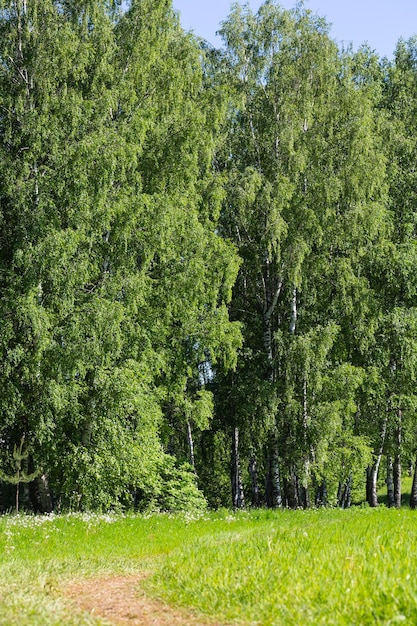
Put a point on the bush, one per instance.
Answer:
(177, 489)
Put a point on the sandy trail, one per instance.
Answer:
(119, 600)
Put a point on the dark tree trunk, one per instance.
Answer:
(273, 480)
(344, 495)
(292, 490)
(86, 434)
(372, 484)
(269, 374)
(348, 493)
(238, 497)
(40, 496)
(39, 493)
(321, 494)
(304, 497)
(397, 480)
(253, 471)
(303, 491)
(272, 289)
(390, 483)
(397, 464)
(413, 496)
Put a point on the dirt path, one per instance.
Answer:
(121, 601)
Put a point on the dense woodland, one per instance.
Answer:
(208, 286)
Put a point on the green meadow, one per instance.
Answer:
(262, 567)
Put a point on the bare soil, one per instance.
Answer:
(120, 600)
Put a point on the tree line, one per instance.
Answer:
(207, 260)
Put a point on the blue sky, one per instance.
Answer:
(379, 22)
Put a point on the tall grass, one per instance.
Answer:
(40, 554)
(285, 567)
(354, 567)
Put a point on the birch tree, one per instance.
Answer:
(392, 275)
(305, 199)
(114, 281)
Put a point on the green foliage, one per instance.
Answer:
(114, 280)
(178, 490)
(19, 458)
(20, 476)
(306, 201)
(198, 245)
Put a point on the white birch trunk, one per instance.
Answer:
(238, 496)
(190, 444)
(372, 474)
(293, 318)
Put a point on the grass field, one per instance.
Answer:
(354, 567)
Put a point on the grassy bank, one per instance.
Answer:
(315, 567)
(285, 567)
